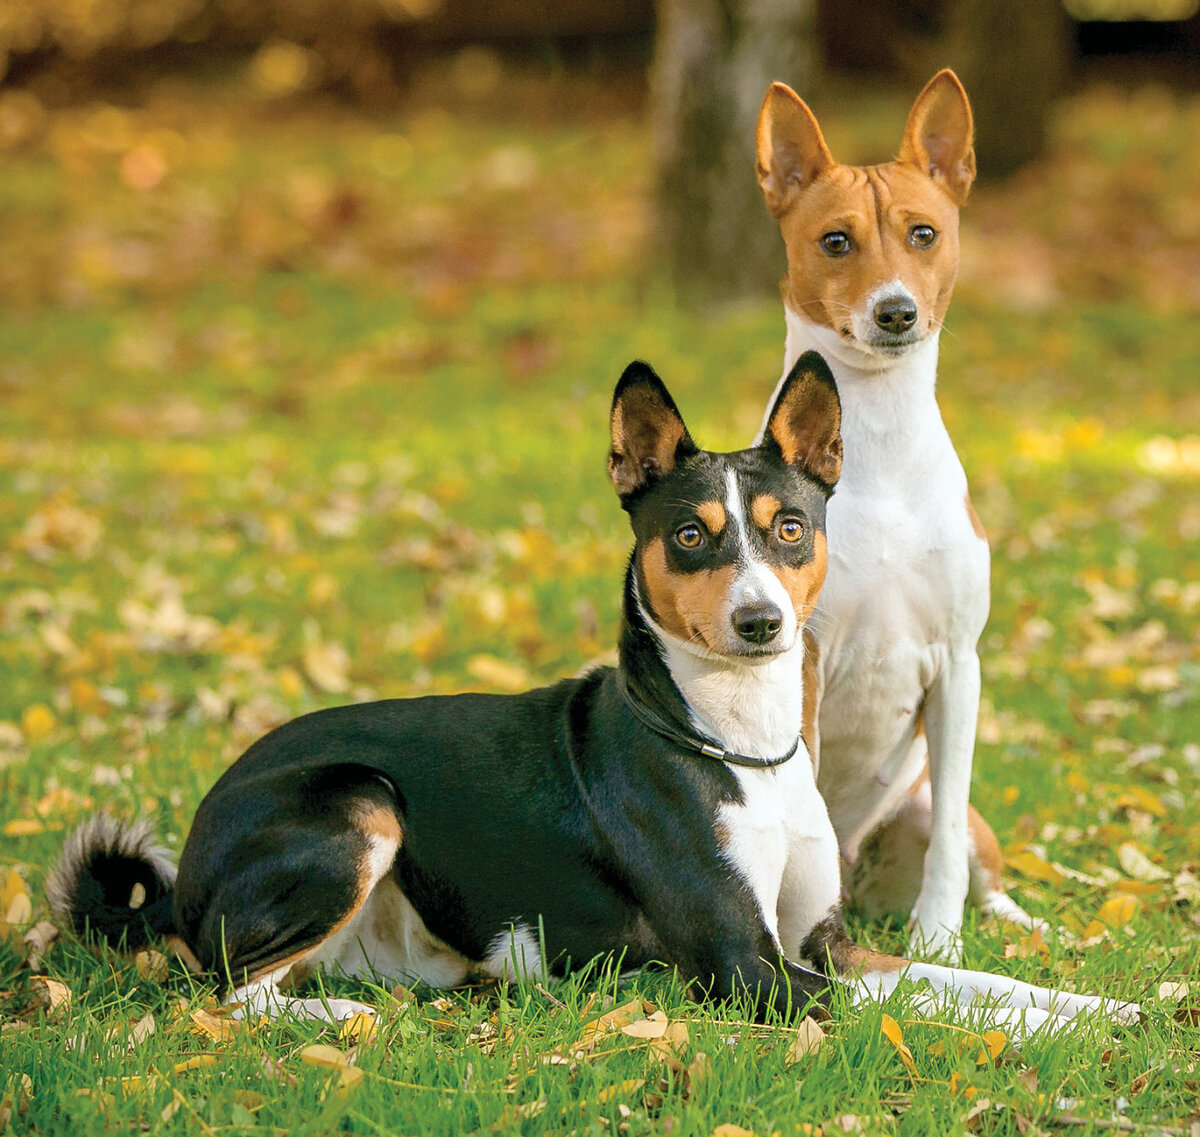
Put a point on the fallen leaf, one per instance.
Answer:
(37, 721)
(1135, 797)
(329, 1057)
(1036, 868)
(359, 1027)
(653, 1027)
(57, 994)
(195, 1062)
(23, 827)
(1176, 991)
(213, 1026)
(16, 907)
(607, 1023)
(731, 1130)
(808, 1039)
(890, 1029)
(1033, 944)
(38, 940)
(1136, 864)
(994, 1042)
(140, 1031)
(621, 1089)
(151, 966)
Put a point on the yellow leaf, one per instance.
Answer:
(85, 696)
(808, 1039)
(328, 1057)
(1118, 911)
(730, 1130)
(1033, 944)
(960, 1085)
(196, 1062)
(610, 1021)
(360, 1027)
(890, 1029)
(1031, 865)
(621, 1089)
(23, 827)
(215, 1027)
(1134, 797)
(37, 721)
(499, 673)
(326, 664)
(993, 1043)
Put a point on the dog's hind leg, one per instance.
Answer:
(272, 873)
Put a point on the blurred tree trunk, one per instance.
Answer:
(714, 60)
(1014, 58)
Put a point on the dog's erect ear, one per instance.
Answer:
(939, 137)
(790, 149)
(648, 435)
(805, 424)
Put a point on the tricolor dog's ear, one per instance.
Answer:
(940, 136)
(790, 149)
(805, 424)
(648, 435)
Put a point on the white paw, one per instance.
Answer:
(934, 942)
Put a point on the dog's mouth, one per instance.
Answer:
(885, 343)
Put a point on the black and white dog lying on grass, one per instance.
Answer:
(664, 810)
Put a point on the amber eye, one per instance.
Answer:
(836, 244)
(791, 530)
(690, 536)
(922, 236)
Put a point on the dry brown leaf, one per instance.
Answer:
(607, 1023)
(216, 1027)
(808, 1039)
(151, 966)
(653, 1027)
(140, 1031)
(37, 941)
(58, 994)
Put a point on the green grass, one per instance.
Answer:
(321, 419)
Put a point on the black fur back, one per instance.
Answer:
(114, 878)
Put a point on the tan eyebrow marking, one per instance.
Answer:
(763, 509)
(712, 513)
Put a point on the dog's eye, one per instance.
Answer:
(690, 536)
(791, 530)
(922, 236)
(836, 244)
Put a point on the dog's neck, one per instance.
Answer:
(890, 416)
(753, 708)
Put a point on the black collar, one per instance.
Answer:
(705, 746)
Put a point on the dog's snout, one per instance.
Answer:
(758, 623)
(896, 314)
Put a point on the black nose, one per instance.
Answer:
(895, 315)
(758, 623)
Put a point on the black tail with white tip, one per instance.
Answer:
(113, 878)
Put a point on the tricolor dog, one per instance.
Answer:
(663, 810)
(872, 256)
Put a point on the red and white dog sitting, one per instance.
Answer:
(872, 257)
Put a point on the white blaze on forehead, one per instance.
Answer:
(755, 583)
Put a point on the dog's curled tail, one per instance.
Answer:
(114, 878)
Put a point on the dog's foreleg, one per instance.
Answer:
(263, 997)
(951, 708)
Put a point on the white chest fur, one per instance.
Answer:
(908, 576)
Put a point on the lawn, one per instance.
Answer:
(301, 407)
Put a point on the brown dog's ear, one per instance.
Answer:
(790, 149)
(939, 137)
(805, 424)
(648, 435)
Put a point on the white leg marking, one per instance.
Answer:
(950, 713)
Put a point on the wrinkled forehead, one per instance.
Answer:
(866, 193)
